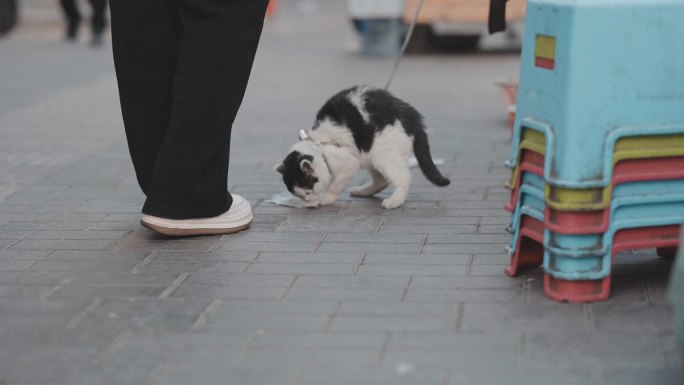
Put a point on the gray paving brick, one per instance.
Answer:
(393, 323)
(225, 256)
(457, 360)
(319, 257)
(16, 265)
(445, 221)
(464, 248)
(487, 270)
(452, 259)
(631, 317)
(375, 238)
(314, 357)
(15, 255)
(229, 292)
(475, 238)
(491, 259)
(329, 247)
(494, 229)
(352, 294)
(23, 291)
(609, 350)
(251, 236)
(393, 308)
(483, 317)
(467, 283)
(302, 268)
(216, 267)
(33, 278)
(313, 281)
(30, 244)
(268, 246)
(79, 266)
(13, 234)
(90, 291)
(261, 280)
(96, 256)
(55, 217)
(546, 376)
(427, 229)
(268, 308)
(320, 340)
(48, 226)
(504, 341)
(374, 376)
(324, 223)
(215, 373)
(495, 212)
(644, 376)
(495, 220)
(118, 278)
(463, 295)
(414, 270)
(71, 235)
(131, 243)
(275, 322)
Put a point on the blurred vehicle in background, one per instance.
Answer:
(8, 15)
(442, 24)
(457, 23)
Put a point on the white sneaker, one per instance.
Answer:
(238, 218)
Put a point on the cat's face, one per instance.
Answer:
(305, 175)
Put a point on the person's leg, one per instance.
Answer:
(215, 56)
(98, 22)
(145, 37)
(73, 17)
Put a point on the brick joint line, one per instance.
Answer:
(174, 285)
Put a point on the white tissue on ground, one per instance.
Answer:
(286, 199)
(413, 162)
(289, 200)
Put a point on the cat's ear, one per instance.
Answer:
(306, 167)
(280, 167)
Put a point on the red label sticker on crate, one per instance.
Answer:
(545, 52)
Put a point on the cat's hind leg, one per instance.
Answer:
(396, 172)
(377, 184)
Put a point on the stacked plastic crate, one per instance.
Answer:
(598, 142)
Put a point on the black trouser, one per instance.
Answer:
(74, 16)
(182, 68)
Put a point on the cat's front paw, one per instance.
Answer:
(390, 203)
(328, 199)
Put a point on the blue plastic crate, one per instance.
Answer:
(593, 71)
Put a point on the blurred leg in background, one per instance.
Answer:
(99, 21)
(8, 16)
(73, 18)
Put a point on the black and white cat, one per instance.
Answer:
(360, 127)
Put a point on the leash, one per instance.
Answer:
(405, 44)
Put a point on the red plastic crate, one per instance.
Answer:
(530, 253)
(590, 222)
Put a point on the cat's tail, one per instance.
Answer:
(421, 149)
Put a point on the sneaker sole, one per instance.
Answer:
(175, 232)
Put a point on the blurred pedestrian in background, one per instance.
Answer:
(8, 15)
(182, 67)
(73, 16)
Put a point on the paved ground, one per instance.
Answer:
(349, 294)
